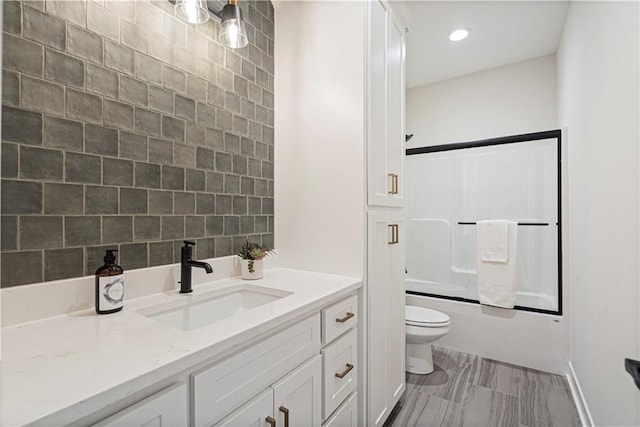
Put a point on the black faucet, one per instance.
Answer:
(185, 267)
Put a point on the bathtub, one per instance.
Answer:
(528, 300)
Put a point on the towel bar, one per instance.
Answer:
(543, 224)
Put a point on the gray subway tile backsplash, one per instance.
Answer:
(101, 200)
(102, 21)
(85, 44)
(41, 164)
(63, 68)
(64, 134)
(20, 268)
(22, 55)
(9, 232)
(40, 232)
(9, 158)
(83, 106)
(43, 28)
(41, 95)
(21, 126)
(133, 146)
(63, 263)
(100, 140)
(82, 230)
(10, 88)
(102, 81)
(123, 127)
(147, 175)
(133, 201)
(83, 168)
(63, 199)
(12, 16)
(20, 197)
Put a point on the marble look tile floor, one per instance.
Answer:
(467, 390)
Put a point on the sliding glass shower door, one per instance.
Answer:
(450, 188)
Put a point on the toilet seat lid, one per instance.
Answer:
(425, 316)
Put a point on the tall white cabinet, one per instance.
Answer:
(385, 266)
(339, 145)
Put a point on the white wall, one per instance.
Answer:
(509, 100)
(319, 136)
(598, 101)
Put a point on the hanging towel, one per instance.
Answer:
(496, 266)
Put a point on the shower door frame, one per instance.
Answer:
(512, 139)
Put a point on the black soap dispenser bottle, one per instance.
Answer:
(109, 285)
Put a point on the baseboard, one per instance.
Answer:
(578, 398)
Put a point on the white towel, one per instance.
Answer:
(496, 266)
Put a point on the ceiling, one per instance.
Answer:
(502, 32)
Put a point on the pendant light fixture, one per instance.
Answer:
(232, 31)
(192, 11)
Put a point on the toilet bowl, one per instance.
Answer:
(423, 326)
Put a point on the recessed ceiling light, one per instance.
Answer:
(458, 35)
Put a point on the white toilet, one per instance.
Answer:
(423, 327)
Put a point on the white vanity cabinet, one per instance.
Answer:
(218, 374)
(288, 379)
(166, 408)
(302, 375)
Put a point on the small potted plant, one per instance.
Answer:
(252, 254)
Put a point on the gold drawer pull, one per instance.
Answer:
(271, 421)
(285, 411)
(345, 372)
(345, 318)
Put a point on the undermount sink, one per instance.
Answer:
(202, 310)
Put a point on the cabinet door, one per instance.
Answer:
(395, 110)
(252, 414)
(385, 135)
(346, 415)
(167, 408)
(385, 288)
(297, 397)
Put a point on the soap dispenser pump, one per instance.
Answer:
(109, 285)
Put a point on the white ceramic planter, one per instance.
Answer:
(245, 270)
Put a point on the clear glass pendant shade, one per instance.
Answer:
(192, 11)
(232, 32)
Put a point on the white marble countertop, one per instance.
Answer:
(66, 367)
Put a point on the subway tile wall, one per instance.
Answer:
(124, 127)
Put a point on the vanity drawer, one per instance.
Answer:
(167, 408)
(339, 371)
(223, 387)
(339, 318)
(346, 415)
